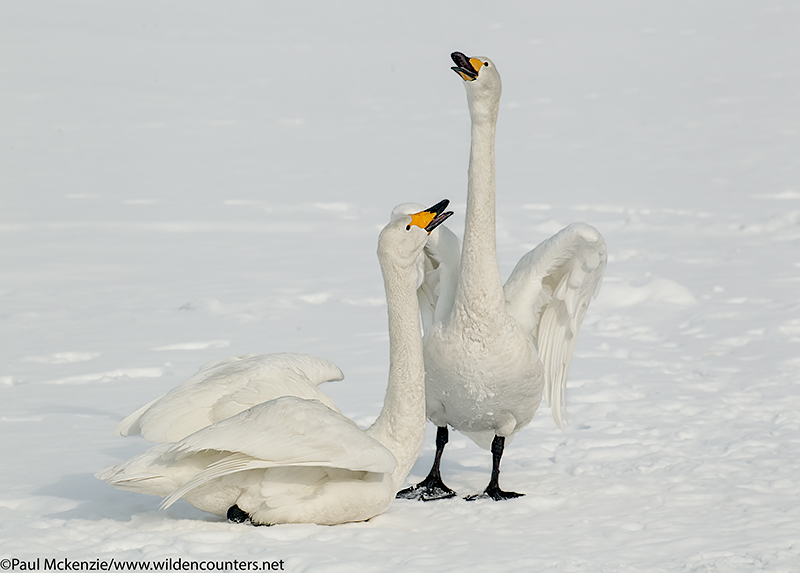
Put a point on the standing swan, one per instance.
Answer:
(492, 350)
(295, 460)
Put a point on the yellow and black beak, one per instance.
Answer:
(466, 67)
(431, 217)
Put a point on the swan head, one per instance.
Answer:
(482, 82)
(404, 209)
(403, 239)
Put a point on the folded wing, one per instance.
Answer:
(288, 431)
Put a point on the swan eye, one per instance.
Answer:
(408, 227)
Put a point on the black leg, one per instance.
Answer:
(493, 489)
(432, 487)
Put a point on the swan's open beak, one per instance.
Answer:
(466, 67)
(432, 217)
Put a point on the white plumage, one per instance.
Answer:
(492, 351)
(548, 294)
(223, 388)
(293, 458)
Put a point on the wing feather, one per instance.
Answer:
(226, 387)
(548, 294)
(291, 431)
(288, 431)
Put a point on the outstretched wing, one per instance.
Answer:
(438, 268)
(288, 431)
(548, 294)
(226, 387)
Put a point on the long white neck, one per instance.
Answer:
(401, 424)
(480, 287)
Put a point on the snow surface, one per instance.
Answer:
(185, 181)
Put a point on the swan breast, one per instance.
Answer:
(479, 384)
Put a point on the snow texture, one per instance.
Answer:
(186, 181)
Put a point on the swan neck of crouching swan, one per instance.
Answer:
(401, 424)
(480, 284)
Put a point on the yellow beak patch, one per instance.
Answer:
(476, 65)
(422, 219)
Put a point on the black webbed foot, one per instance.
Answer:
(429, 489)
(493, 490)
(237, 515)
(494, 493)
(432, 487)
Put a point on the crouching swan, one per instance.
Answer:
(490, 350)
(296, 460)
